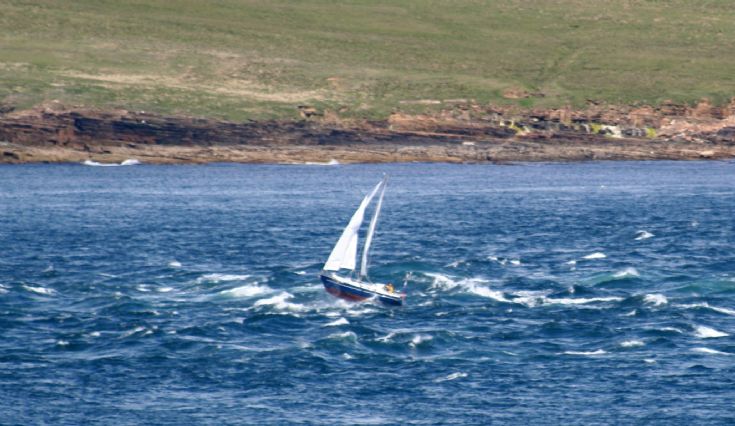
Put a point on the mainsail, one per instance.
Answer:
(344, 254)
(371, 230)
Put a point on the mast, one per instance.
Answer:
(371, 229)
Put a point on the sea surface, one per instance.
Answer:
(593, 293)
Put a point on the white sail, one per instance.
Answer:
(344, 254)
(371, 230)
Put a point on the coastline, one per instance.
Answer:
(463, 134)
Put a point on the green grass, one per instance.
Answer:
(253, 59)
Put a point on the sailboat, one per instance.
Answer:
(350, 285)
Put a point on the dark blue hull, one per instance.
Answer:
(356, 294)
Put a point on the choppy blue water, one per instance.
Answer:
(544, 293)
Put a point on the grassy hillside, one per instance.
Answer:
(244, 59)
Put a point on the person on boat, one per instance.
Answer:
(389, 288)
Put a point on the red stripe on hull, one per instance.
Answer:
(343, 295)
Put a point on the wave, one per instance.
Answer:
(537, 301)
(709, 351)
(627, 273)
(331, 162)
(453, 376)
(129, 162)
(643, 235)
(40, 290)
(341, 321)
(583, 353)
(708, 306)
(632, 343)
(245, 291)
(470, 285)
(279, 302)
(420, 339)
(174, 264)
(347, 335)
(595, 255)
(708, 333)
(216, 278)
(655, 299)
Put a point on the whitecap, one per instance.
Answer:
(581, 300)
(655, 299)
(631, 313)
(709, 351)
(40, 290)
(649, 360)
(627, 273)
(3, 289)
(571, 262)
(245, 291)
(174, 264)
(300, 272)
(643, 235)
(331, 162)
(419, 339)
(94, 334)
(708, 333)
(164, 289)
(515, 262)
(346, 356)
(280, 303)
(130, 162)
(143, 288)
(708, 306)
(595, 255)
(470, 285)
(49, 268)
(387, 338)
(341, 321)
(453, 376)
(216, 278)
(62, 343)
(632, 343)
(583, 353)
(131, 332)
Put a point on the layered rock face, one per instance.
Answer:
(460, 133)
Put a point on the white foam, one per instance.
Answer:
(708, 333)
(708, 306)
(331, 162)
(245, 291)
(631, 313)
(581, 300)
(632, 343)
(131, 332)
(341, 321)
(571, 262)
(40, 290)
(643, 235)
(515, 262)
(280, 303)
(671, 329)
(470, 285)
(655, 299)
(216, 278)
(95, 334)
(649, 360)
(626, 273)
(582, 353)
(387, 338)
(419, 339)
(143, 288)
(709, 351)
(174, 264)
(300, 272)
(3, 289)
(130, 162)
(595, 255)
(164, 289)
(453, 376)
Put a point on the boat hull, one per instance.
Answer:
(353, 293)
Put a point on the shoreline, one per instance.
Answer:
(464, 134)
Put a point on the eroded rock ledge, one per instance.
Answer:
(461, 133)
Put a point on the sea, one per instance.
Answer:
(578, 293)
